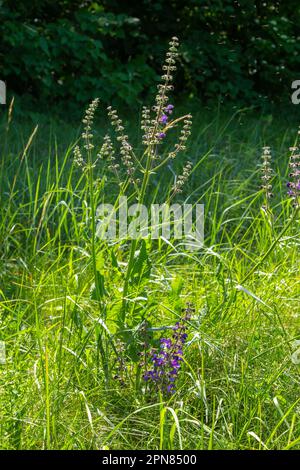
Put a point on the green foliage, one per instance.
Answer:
(72, 51)
(71, 58)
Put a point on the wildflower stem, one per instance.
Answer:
(93, 221)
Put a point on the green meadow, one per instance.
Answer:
(77, 313)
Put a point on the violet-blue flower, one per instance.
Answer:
(166, 362)
(164, 119)
(166, 342)
(169, 108)
(161, 135)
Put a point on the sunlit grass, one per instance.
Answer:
(238, 388)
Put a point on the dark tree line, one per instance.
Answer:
(73, 50)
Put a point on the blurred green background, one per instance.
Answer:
(64, 53)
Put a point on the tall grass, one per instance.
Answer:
(73, 308)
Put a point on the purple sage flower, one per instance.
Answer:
(166, 342)
(169, 109)
(161, 135)
(165, 362)
(164, 119)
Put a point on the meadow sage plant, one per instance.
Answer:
(163, 364)
(266, 177)
(134, 169)
(294, 175)
(156, 123)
